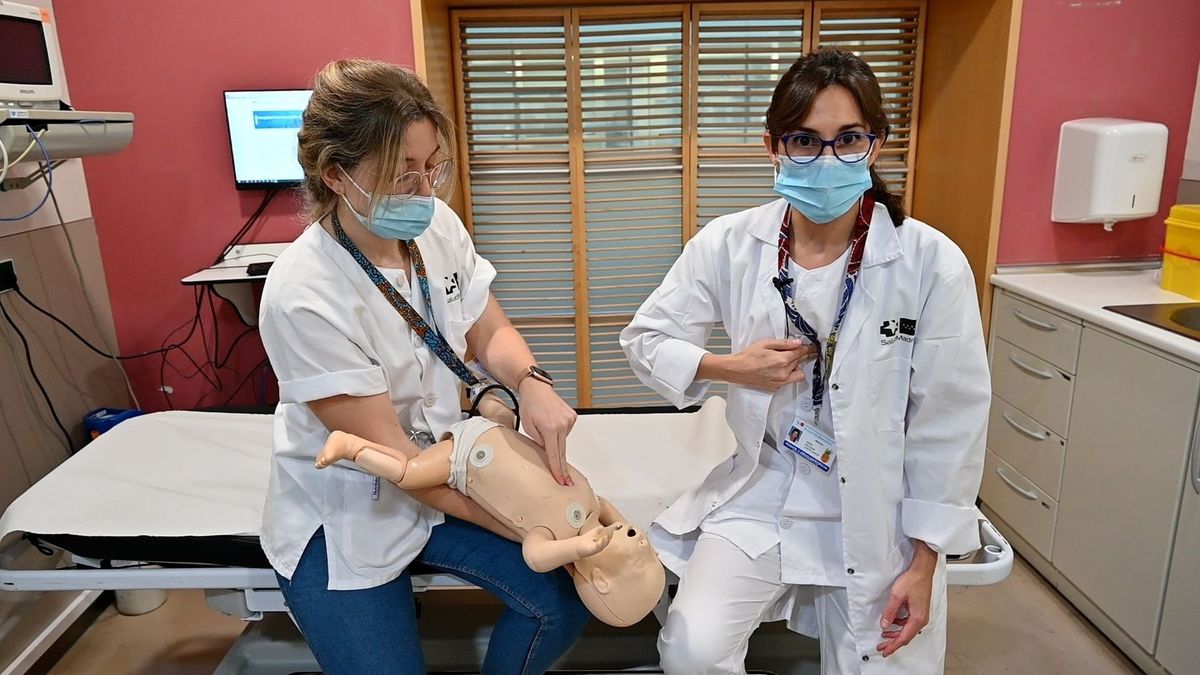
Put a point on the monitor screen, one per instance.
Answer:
(262, 133)
(24, 58)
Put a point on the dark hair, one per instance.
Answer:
(813, 73)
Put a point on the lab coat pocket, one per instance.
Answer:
(888, 382)
(368, 522)
(456, 335)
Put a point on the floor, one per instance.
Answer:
(1021, 626)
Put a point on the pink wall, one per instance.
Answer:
(1134, 59)
(165, 206)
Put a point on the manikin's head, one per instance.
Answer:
(622, 583)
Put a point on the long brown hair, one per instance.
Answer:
(361, 110)
(810, 75)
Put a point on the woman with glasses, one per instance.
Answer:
(859, 327)
(366, 319)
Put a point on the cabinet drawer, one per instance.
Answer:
(1036, 387)
(1039, 332)
(1019, 502)
(1026, 445)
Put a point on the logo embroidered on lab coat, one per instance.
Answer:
(452, 292)
(904, 330)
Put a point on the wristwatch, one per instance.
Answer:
(538, 374)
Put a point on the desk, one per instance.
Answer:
(229, 280)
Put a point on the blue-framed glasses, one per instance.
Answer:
(850, 147)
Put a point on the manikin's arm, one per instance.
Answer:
(609, 513)
(493, 408)
(430, 468)
(544, 553)
(374, 417)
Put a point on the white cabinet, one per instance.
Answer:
(1033, 358)
(1025, 508)
(1179, 636)
(1130, 432)
(1089, 443)
(1028, 446)
(1038, 331)
(1032, 384)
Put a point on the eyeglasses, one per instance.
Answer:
(409, 183)
(851, 147)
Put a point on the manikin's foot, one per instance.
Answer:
(382, 461)
(340, 445)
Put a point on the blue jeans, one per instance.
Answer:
(375, 630)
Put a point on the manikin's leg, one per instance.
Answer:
(543, 552)
(428, 469)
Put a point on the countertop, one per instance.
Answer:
(1085, 294)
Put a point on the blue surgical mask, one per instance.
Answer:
(394, 217)
(824, 188)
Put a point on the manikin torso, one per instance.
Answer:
(503, 482)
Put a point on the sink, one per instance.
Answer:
(1188, 317)
(1182, 319)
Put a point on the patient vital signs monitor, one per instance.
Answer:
(32, 97)
(30, 64)
(262, 134)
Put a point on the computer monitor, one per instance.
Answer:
(30, 63)
(263, 127)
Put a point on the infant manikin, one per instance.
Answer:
(616, 571)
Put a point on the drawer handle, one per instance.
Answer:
(1029, 369)
(1196, 458)
(1029, 320)
(1035, 435)
(1027, 494)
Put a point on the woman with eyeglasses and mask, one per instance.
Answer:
(366, 319)
(859, 327)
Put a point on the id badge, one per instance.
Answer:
(481, 373)
(812, 443)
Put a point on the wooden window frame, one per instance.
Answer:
(968, 72)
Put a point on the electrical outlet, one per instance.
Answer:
(8, 276)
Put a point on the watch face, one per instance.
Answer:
(541, 373)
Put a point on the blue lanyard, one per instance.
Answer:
(433, 339)
(824, 362)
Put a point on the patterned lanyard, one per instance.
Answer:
(433, 339)
(858, 239)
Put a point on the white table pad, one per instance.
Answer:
(180, 474)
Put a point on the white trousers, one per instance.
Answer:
(721, 601)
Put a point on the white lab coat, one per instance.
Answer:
(329, 331)
(910, 404)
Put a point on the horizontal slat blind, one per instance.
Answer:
(593, 140)
(613, 382)
(632, 86)
(515, 105)
(555, 349)
(887, 36)
(631, 81)
(742, 54)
